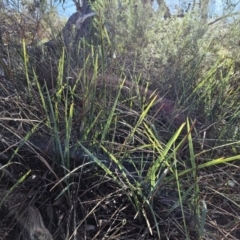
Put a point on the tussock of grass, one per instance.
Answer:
(101, 160)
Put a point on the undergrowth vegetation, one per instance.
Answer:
(137, 140)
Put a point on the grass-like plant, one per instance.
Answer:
(100, 149)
